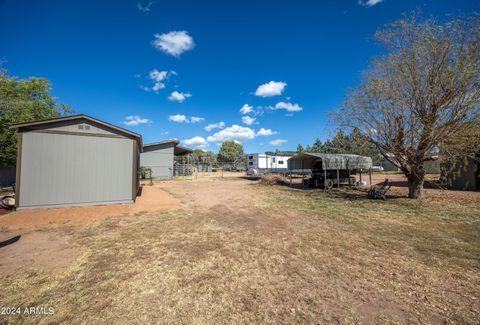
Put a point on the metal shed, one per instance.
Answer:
(159, 157)
(75, 160)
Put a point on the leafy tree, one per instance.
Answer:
(203, 157)
(317, 147)
(23, 101)
(230, 151)
(421, 94)
(340, 143)
(300, 149)
(360, 145)
(353, 143)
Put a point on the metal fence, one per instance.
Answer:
(183, 170)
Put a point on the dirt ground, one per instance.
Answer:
(36, 250)
(152, 198)
(230, 250)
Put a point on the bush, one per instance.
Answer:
(273, 179)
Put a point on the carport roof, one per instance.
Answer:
(336, 161)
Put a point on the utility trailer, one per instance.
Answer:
(327, 170)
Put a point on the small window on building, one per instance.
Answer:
(87, 127)
(280, 162)
(80, 127)
(273, 159)
(250, 163)
(250, 157)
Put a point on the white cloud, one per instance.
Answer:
(232, 133)
(173, 43)
(145, 7)
(178, 118)
(277, 143)
(219, 125)
(195, 119)
(196, 142)
(246, 109)
(265, 132)
(158, 86)
(288, 106)
(156, 75)
(270, 89)
(134, 120)
(248, 120)
(178, 96)
(158, 78)
(369, 3)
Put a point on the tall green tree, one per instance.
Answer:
(23, 101)
(421, 94)
(300, 149)
(230, 151)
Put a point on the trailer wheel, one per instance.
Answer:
(329, 184)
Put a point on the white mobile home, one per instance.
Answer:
(259, 163)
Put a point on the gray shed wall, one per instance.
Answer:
(67, 169)
(160, 159)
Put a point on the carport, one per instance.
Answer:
(334, 167)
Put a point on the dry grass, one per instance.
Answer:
(273, 179)
(295, 257)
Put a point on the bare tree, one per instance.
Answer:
(420, 94)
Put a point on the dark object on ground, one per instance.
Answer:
(7, 202)
(321, 178)
(9, 241)
(380, 192)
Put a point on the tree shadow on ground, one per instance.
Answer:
(344, 192)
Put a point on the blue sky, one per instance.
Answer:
(168, 69)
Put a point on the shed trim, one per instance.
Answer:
(161, 142)
(134, 173)
(18, 169)
(78, 133)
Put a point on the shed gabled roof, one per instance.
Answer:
(128, 133)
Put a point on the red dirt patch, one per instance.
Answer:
(153, 198)
(36, 250)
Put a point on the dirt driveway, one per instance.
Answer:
(232, 190)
